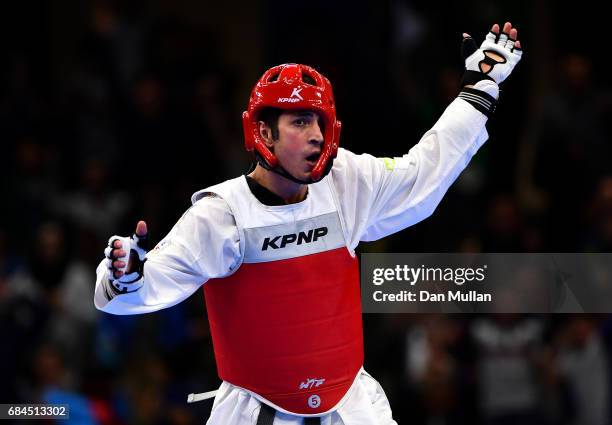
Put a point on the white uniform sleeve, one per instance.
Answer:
(381, 196)
(203, 244)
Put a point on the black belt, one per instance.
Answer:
(267, 413)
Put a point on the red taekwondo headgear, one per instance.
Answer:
(284, 87)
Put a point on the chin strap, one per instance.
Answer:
(281, 171)
(284, 173)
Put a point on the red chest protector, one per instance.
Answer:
(287, 324)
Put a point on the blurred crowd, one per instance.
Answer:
(144, 109)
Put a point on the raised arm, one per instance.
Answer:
(394, 193)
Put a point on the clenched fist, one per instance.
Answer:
(125, 258)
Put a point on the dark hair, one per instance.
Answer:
(270, 117)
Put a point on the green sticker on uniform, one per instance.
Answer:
(389, 163)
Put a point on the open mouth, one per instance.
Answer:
(313, 158)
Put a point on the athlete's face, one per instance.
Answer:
(299, 144)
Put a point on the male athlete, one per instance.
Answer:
(275, 250)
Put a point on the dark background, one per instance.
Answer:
(116, 111)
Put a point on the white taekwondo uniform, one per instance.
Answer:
(228, 236)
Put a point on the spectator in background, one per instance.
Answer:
(508, 230)
(55, 283)
(507, 351)
(598, 237)
(566, 149)
(437, 373)
(94, 206)
(34, 182)
(583, 365)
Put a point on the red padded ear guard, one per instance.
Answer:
(253, 140)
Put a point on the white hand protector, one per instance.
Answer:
(494, 60)
(135, 251)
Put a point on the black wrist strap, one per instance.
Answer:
(472, 77)
(480, 100)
